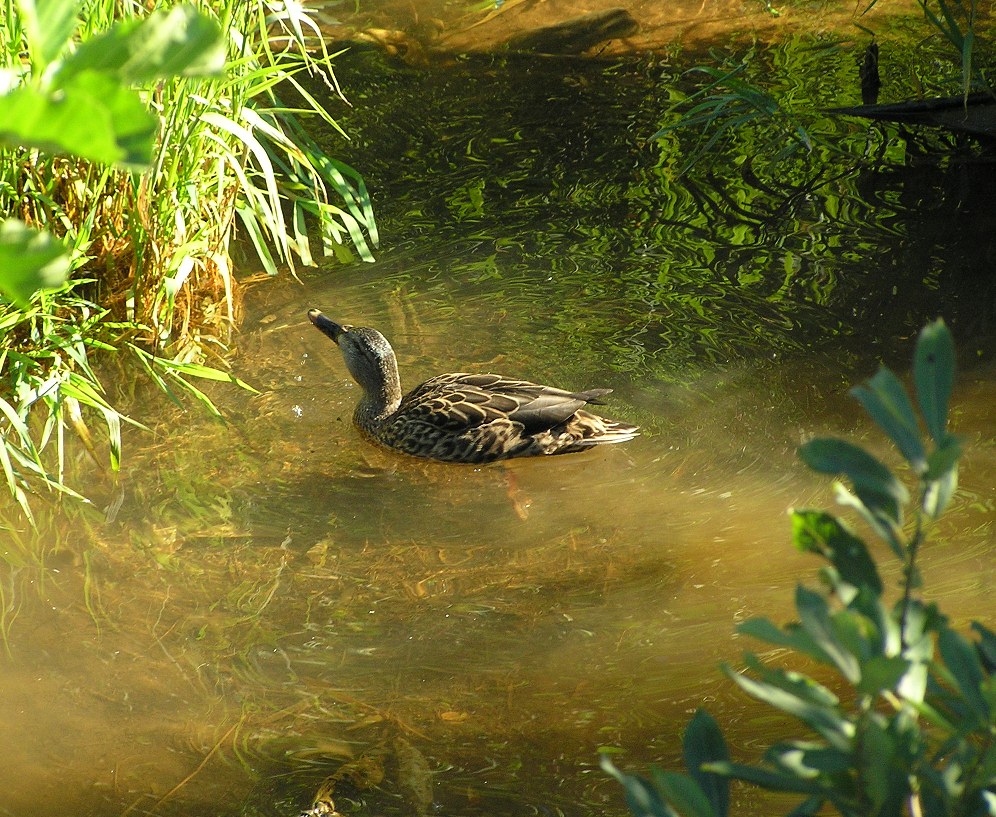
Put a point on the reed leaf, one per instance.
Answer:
(152, 226)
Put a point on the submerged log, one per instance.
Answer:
(974, 114)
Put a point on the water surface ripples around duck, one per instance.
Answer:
(276, 595)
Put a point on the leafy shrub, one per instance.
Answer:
(131, 137)
(914, 732)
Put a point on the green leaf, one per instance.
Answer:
(793, 636)
(205, 373)
(824, 720)
(871, 606)
(933, 374)
(881, 673)
(877, 750)
(963, 663)
(814, 614)
(93, 117)
(683, 794)
(255, 233)
(968, 43)
(943, 458)
(808, 760)
(881, 522)
(822, 533)
(873, 483)
(939, 492)
(941, 477)
(48, 25)
(30, 260)
(774, 781)
(986, 646)
(703, 743)
(886, 401)
(795, 683)
(642, 798)
(178, 42)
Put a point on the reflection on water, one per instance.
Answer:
(276, 595)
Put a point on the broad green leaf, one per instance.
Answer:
(178, 42)
(877, 750)
(814, 614)
(30, 260)
(920, 623)
(795, 683)
(793, 637)
(943, 458)
(683, 793)
(881, 673)
(962, 662)
(938, 493)
(808, 760)
(703, 743)
(774, 781)
(824, 720)
(886, 401)
(871, 606)
(873, 483)
(933, 374)
(879, 520)
(986, 645)
(49, 25)
(942, 476)
(822, 533)
(133, 126)
(642, 798)
(94, 118)
(856, 634)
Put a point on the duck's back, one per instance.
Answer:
(480, 418)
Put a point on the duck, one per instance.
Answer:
(462, 417)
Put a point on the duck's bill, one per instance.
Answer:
(325, 325)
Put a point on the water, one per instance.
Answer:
(276, 595)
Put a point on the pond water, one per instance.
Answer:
(269, 598)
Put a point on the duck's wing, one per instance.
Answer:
(459, 400)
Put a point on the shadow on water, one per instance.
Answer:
(274, 596)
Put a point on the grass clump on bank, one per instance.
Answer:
(133, 141)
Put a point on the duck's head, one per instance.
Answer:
(369, 357)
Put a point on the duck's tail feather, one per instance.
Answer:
(616, 433)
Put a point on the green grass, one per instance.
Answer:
(151, 270)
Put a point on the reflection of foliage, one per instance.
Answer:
(729, 104)
(956, 22)
(748, 92)
(609, 259)
(468, 202)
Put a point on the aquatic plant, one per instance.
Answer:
(134, 138)
(914, 730)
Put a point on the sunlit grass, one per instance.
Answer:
(152, 272)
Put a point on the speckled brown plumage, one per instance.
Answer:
(460, 417)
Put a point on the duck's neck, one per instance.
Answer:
(381, 398)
